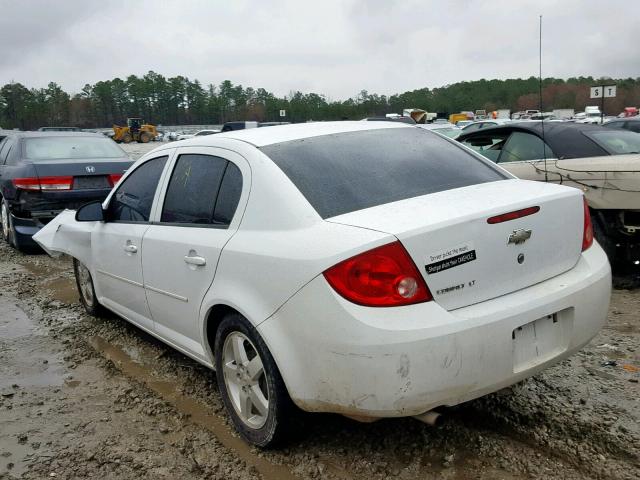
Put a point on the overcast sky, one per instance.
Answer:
(336, 48)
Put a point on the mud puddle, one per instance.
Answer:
(25, 357)
(63, 290)
(56, 280)
(197, 412)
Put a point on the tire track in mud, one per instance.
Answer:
(197, 412)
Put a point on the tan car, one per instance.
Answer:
(603, 163)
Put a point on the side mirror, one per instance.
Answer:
(90, 212)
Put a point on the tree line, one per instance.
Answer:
(181, 101)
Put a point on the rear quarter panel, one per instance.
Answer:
(608, 182)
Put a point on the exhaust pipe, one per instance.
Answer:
(431, 418)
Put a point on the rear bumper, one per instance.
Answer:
(36, 210)
(335, 356)
(24, 229)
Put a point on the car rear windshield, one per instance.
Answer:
(65, 148)
(345, 172)
(616, 142)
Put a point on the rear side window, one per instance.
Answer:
(193, 189)
(134, 197)
(351, 171)
(203, 190)
(229, 195)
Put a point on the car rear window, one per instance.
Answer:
(616, 142)
(66, 148)
(345, 172)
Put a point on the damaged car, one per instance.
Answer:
(44, 173)
(604, 163)
(369, 269)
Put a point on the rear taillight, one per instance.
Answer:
(587, 234)
(114, 178)
(43, 183)
(383, 277)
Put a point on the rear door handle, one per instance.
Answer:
(199, 261)
(130, 248)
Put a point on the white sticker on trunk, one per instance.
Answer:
(450, 257)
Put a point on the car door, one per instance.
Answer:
(197, 215)
(116, 243)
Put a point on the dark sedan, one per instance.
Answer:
(42, 173)
(524, 141)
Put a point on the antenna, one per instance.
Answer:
(544, 143)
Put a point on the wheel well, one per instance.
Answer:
(214, 317)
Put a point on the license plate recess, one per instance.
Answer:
(541, 340)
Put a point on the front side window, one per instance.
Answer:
(489, 146)
(524, 146)
(203, 190)
(133, 200)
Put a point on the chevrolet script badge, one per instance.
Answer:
(519, 236)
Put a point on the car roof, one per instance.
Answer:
(261, 137)
(566, 139)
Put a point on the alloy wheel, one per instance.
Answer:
(245, 380)
(85, 284)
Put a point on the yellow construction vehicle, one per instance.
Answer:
(136, 130)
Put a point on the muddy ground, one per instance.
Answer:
(82, 397)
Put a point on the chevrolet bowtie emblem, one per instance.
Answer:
(519, 236)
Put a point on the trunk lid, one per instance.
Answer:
(88, 174)
(466, 260)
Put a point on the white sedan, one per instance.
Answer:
(371, 269)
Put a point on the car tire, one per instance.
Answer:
(86, 290)
(6, 225)
(252, 390)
